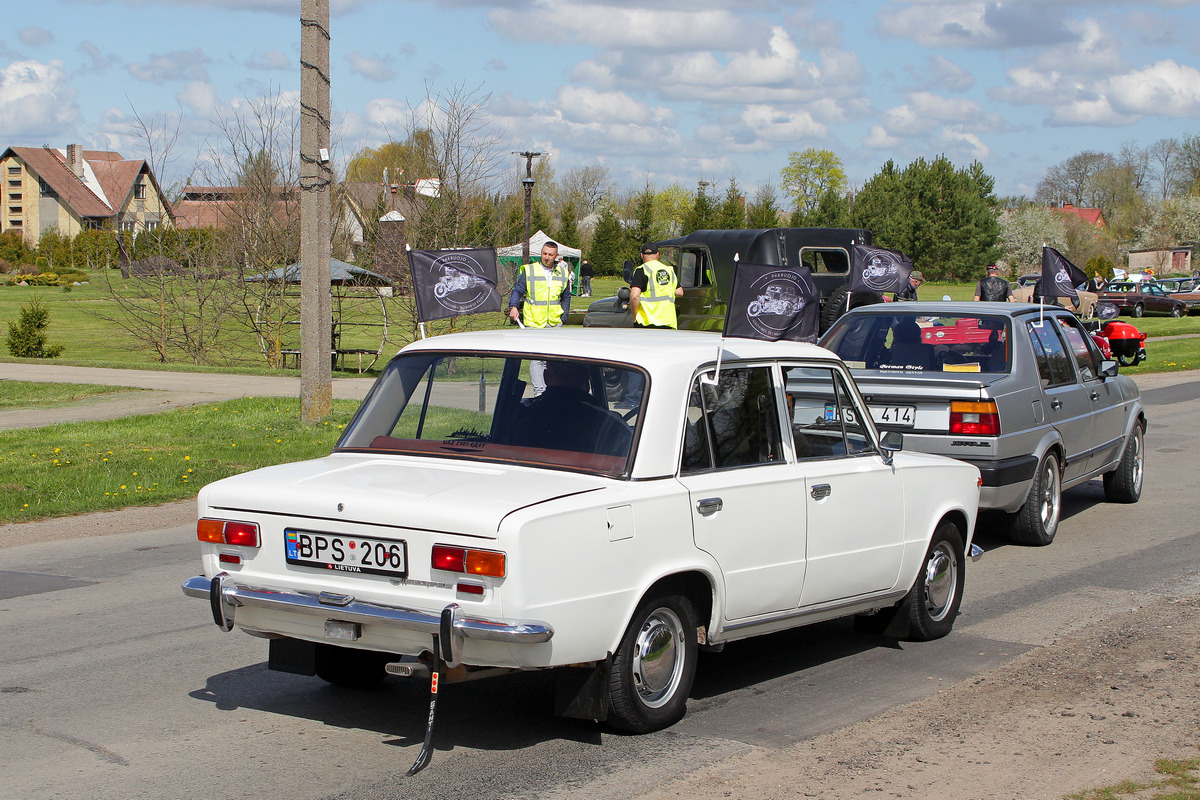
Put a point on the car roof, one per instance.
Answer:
(653, 349)
(967, 308)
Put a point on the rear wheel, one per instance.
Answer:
(654, 666)
(1138, 310)
(932, 602)
(351, 669)
(1124, 484)
(1176, 312)
(1037, 521)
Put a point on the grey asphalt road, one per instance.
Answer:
(115, 685)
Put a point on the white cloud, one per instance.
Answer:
(879, 139)
(36, 102)
(942, 73)
(925, 112)
(980, 23)
(583, 105)
(961, 142)
(1164, 88)
(777, 125)
(372, 68)
(33, 36)
(200, 98)
(635, 28)
(269, 60)
(179, 65)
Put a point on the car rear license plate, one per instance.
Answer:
(903, 416)
(346, 553)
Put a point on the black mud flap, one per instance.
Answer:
(426, 754)
(582, 693)
(292, 655)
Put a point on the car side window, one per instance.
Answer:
(1087, 357)
(734, 423)
(824, 421)
(1054, 365)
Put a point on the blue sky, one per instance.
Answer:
(670, 91)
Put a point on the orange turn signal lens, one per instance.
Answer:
(211, 530)
(485, 562)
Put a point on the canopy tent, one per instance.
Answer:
(510, 256)
(340, 274)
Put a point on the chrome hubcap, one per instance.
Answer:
(658, 657)
(1136, 444)
(941, 576)
(1051, 496)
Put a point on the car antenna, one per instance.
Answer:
(716, 375)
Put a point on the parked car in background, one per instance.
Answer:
(1173, 285)
(1020, 391)
(1139, 299)
(1025, 285)
(464, 525)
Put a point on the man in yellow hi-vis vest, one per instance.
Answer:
(543, 292)
(652, 292)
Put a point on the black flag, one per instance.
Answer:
(1060, 276)
(773, 303)
(875, 269)
(452, 283)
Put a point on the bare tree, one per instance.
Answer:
(587, 187)
(1074, 180)
(1165, 155)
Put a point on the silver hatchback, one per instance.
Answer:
(1019, 391)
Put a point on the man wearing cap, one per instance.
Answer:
(543, 293)
(993, 288)
(652, 292)
(915, 279)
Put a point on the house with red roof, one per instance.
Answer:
(72, 189)
(1092, 216)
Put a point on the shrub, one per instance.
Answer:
(27, 336)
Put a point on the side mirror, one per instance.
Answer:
(891, 443)
(627, 271)
(1109, 369)
(623, 297)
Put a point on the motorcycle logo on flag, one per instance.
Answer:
(773, 303)
(877, 269)
(451, 283)
(1060, 276)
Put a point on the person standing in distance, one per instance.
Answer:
(585, 278)
(652, 292)
(543, 292)
(915, 279)
(994, 288)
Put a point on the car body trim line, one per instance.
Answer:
(879, 601)
(235, 595)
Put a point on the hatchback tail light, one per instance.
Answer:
(975, 418)
(222, 531)
(470, 562)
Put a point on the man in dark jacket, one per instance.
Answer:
(993, 288)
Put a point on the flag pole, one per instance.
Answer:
(721, 345)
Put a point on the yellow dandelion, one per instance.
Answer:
(187, 458)
(122, 486)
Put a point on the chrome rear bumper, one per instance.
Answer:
(452, 626)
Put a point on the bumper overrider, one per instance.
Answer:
(451, 626)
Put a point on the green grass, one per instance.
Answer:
(1180, 782)
(59, 470)
(28, 394)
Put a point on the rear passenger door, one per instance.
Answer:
(1066, 404)
(1108, 405)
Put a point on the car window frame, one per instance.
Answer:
(843, 387)
(1095, 357)
(1041, 356)
(696, 384)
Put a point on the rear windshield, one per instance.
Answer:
(571, 414)
(898, 342)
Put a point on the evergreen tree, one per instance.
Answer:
(642, 228)
(702, 215)
(568, 227)
(608, 243)
(943, 218)
(764, 211)
(27, 335)
(731, 214)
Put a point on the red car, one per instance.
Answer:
(1138, 299)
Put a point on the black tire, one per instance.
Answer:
(1124, 484)
(932, 603)
(1137, 310)
(1176, 312)
(653, 669)
(1127, 361)
(351, 669)
(834, 307)
(1037, 521)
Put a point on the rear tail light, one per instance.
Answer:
(220, 531)
(471, 562)
(974, 418)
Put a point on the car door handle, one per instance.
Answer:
(821, 491)
(1056, 404)
(1095, 397)
(709, 506)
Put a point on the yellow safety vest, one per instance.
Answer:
(543, 306)
(656, 306)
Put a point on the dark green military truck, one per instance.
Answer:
(705, 261)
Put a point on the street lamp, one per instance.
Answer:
(528, 184)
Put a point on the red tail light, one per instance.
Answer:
(472, 562)
(220, 531)
(975, 418)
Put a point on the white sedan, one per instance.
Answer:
(643, 505)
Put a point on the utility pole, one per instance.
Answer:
(527, 182)
(316, 178)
